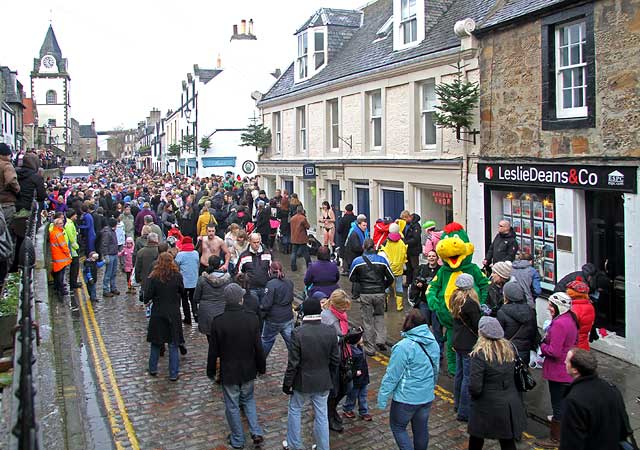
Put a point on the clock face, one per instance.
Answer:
(48, 61)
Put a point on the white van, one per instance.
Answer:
(77, 172)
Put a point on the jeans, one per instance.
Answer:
(399, 417)
(359, 394)
(174, 359)
(398, 285)
(320, 419)
(91, 287)
(461, 398)
(259, 293)
(110, 272)
(556, 390)
(299, 250)
(236, 396)
(270, 331)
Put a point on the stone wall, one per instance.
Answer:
(511, 90)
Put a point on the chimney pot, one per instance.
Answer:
(243, 26)
(219, 62)
(235, 30)
(251, 26)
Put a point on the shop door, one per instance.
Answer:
(336, 197)
(392, 203)
(605, 249)
(288, 186)
(362, 200)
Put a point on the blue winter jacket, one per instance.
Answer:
(189, 264)
(410, 377)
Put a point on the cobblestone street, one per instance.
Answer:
(154, 413)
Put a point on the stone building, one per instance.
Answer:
(352, 116)
(88, 147)
(74, 142)
(30, 125)
(11, 118)
(560, 142)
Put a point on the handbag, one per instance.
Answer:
(346, 364)
(523, 380)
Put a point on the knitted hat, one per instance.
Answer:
(490, 328)
(578, 286)
(319, 295)
(312, 307)
(233, 293)
(513, 292)
(562, 302)
(429, 224)
(5, 149)
(464, 281)
(502, 268)
(394, 228)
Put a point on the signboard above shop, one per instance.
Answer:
(570, 176)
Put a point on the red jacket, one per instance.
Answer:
(380, 233)
(586, 314)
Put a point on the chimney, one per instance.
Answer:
(219, 62)
(235, 30)
(251, 26)
(243, 26)
(93, 124)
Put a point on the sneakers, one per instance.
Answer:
(257, 440)
(349, 414)
(108, 294)
(366, 417)
(115, 292)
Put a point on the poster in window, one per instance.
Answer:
(549, 251)
(538, 210)
(538, 229)
(506, 206)
(525, 205)
(516, 208)
(517, 225)
(549, 231)
(526, 245)
(526, 228)
(519, 241)
(548, 211)
(538, 250)
(549, 271)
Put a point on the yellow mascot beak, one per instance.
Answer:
(453, 250)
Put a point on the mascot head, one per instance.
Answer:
(454, 247)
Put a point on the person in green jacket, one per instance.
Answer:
(71, 232)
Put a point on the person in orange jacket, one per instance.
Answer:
(581, 306)
(60, 256)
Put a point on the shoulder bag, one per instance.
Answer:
(433, 366)
(523, 380)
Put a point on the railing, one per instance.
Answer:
(25, 432)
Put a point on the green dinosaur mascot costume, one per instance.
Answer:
(455, 251)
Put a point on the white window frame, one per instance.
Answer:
(334, 124)
(301, 129)
(430, 109)
(375, 118)
(316, 52)
(277, 135)
(561, 71)
(408, 19)
(384, 187)
(54, 95)
(302, 63)
(415, 15)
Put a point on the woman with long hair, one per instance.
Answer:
(465, 309)
(496, 409)
(276, 308)
(561, 336)
(164, 289)
(328, 221)
(335, 315)
(410, 381)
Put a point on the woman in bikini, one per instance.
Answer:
(328, 221)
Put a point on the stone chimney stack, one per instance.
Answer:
(93, 124)
(250, 27)
(235, 30)
(243, 26)
(219, 62)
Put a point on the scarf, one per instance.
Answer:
(342, 319)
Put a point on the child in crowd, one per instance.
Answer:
(360, 382)
(127, 259)
(90, 272)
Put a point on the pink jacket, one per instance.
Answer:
(431, 242)
(127, 252)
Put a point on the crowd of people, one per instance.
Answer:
(206, 251)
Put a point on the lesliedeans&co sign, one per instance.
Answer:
(601, 178)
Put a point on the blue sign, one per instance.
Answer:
(309, 171)
(225, 161)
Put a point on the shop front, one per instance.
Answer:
(566, 215)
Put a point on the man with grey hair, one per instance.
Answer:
(153, 228)
(358, 233)
(144, 261)
(504, 246)
(145, 211)
(255, 262)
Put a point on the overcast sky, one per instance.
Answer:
(127, 56)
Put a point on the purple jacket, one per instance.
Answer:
(561, 337)
(139, 222)
(322, 276)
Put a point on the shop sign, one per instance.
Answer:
(599, 178)
(442, 198)
(309, 171)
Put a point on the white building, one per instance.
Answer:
(50, 90)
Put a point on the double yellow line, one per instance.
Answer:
(94, 336)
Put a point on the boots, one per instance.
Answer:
(399, 302)
(553, 441)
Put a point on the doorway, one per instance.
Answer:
(605, 249)
(362, 201)
(392, 203)
(336, 198)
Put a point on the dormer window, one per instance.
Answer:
(319, 49)
(409, 26)
(302, 55)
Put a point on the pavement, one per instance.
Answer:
(108, 400)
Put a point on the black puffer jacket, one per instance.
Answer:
(30, 182)
(370, 279)
(519, 324)
(210, 297)
(412, 236)
(277, 301)
(465, 327)
(503, 248)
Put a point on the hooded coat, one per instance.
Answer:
(30, 182)
(561, 337)
(519, 324)
(528, 278)
(209, 294)
(396, 251)
(586, 314)
(413, 236)
(411, 376)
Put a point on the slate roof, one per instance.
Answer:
(332, 16)
(206, 75)
(361, 55)
(50, 45)
(11, 94)
(87, 131)
(510, 10)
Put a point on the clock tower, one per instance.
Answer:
(50, 87)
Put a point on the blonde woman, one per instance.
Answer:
(465, 309)
(496, 409)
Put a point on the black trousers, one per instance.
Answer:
(58, 282)
(188, 304)
(476, 443)
(412, 267)
(73, 272)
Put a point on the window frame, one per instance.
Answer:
(54, 94)
(424, 111)
(277, 135)
(563, 112)
(333, 133)
(410, 20)
(552, 118)
(301, 129)
(303, 44)
(322, 52)
(373, 118)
